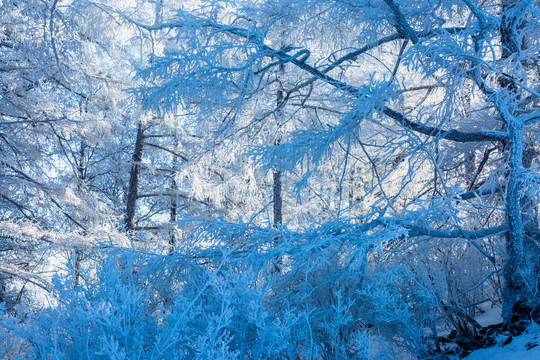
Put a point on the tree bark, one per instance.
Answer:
(174, 199)
(134, 175)
(278, 216)
(531, 227)
(81, 177)
(515, 279)
(516, 271)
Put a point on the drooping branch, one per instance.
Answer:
(477, 13)
(20, 207)
(322, 75)
(352, 56)
(176, 154)
(27, 276)
(454, 135)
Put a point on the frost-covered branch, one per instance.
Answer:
(453, 135)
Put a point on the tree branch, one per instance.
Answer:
(172, 193)
(415, 230)
(454, 135)
(402, 26)
(183, 157)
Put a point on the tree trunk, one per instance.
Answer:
(81, 177)
(515, 279)
(516, 272)
(133, 187)
(278, 216)
(531, 228)
(174, 198)
(277, 199)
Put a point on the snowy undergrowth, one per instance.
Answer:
(233, 292)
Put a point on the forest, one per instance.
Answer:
(269, 179)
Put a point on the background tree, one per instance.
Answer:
(61, 167)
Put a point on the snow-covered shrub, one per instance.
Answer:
(241, 291)
(233, 291)
(120, 314)
(142, 306)
(403, 308)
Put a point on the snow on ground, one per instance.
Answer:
(523, 347)
(491, 314)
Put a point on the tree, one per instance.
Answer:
(407, 115)
(60, 102)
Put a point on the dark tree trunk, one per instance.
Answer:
(174, 198)
(134, 175)
(278, 216)
(81, 177)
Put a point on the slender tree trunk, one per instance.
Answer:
(174, 199)
(133, 187)
(77, 267)
(81, 177)
(276, 175)
(174, 209)
(135, 172)
(81, 167)
(278, 216)
(276, 193)
(277, 188)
